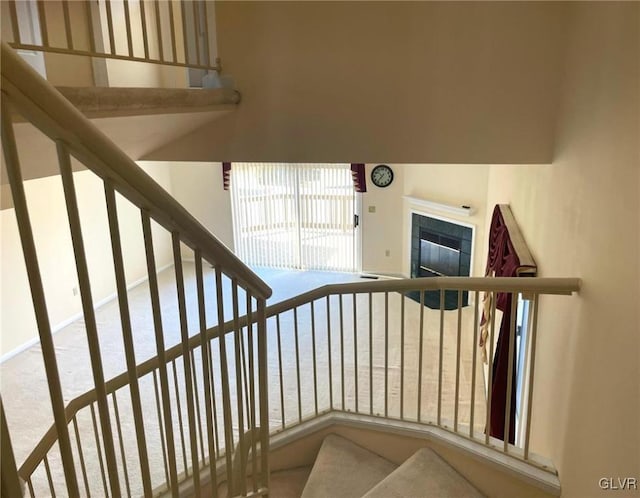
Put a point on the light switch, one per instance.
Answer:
(372, 209)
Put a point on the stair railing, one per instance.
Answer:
(374, 348)
(183, 382)
(363, 349)
(171, 33)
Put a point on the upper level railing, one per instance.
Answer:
(172, 33)
(196, 376)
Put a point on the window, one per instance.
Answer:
(523, 346)
(298, 216)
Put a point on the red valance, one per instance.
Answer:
(357, 171)
(359, 182)
(226, 175)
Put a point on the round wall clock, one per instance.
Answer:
(382, 175)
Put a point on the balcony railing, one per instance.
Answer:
(173, 33)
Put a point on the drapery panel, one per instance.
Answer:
(359, 179)
(508, 257)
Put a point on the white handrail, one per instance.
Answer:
(554, 286)
(48, 110)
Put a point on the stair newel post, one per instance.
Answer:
(263, 392)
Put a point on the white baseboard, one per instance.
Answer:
(19, 349)
(59, 326)
(381, 274)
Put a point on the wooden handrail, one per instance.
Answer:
(535, 285)
(48, 110)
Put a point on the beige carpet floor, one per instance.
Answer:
(381, 361)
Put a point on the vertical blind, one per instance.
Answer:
(297, 216)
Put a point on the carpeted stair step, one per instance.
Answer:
(345, 470)
(424, 475)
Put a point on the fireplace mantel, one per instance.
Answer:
(444, 208)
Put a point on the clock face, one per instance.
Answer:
(382, 175)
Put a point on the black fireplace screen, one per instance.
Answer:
(439, 255)
(440, 248)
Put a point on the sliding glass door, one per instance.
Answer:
(298, 216)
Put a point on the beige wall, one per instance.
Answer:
(382, 230)
(407, 82)
(198, 187)
(53, 242)
(388, 228)
(453, 185)
(580, 217)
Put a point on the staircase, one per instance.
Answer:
(210, 385)
(343, 469)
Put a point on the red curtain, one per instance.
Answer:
(503, 261)
(226, 175)
(359, 182)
